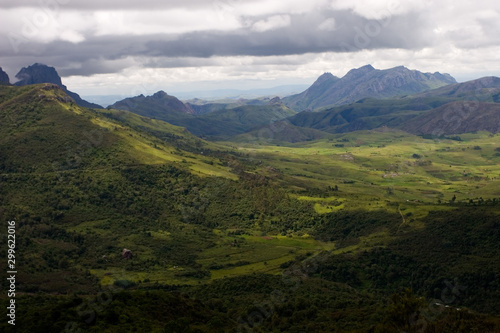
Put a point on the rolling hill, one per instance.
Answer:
(485, 89)
(44, 130)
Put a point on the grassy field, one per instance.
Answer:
(230, 256)
(392, 166)
(393, 171)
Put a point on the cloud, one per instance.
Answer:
(328, 25)
(378, 9)
(271, 23)
(269, 36)
(107, 5)
(196, 38)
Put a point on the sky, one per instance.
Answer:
(124, 47)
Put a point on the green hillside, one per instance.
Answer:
(43, 130)
(369, 231)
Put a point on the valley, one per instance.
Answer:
(258, 217)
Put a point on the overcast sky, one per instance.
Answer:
(130, 47)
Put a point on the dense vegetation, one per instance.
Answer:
(359, 232)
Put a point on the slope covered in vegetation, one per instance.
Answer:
(376, 231)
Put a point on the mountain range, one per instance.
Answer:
(452, 109)
(396, 98)
(44, 129)
(365, 98)
(366, 81)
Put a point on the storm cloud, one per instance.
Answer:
(298, 34)
(87, 38)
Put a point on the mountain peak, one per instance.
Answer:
(358, 72)
(369, 67)
(325, 77)
(155, 105)
(4, 77)
(40, 73)
(159, 94)
(275, 101)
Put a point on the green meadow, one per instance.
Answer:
(390, 166)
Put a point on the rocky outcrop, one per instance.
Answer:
(39, 73)
(127, 254)
(4, 77)
(275, 101)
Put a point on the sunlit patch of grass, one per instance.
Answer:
(160, 234)
(323, 208)
(251, 253)
(393, 165)
(169, 276)
(105, 123)
(203, 169)
(269, 266)
(377, 239)
(100, 227)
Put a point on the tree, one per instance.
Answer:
(453, 199)
(404, 314)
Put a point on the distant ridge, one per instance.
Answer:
(39, 73)
(156, 105)
(457, 118)
(470, 90)
(215, 121)
(453, 109)
(366, 81)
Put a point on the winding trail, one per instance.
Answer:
(402, 216)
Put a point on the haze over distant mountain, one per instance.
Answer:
(4, 77)
(39, 73)
(364, 82)
(232, 94)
